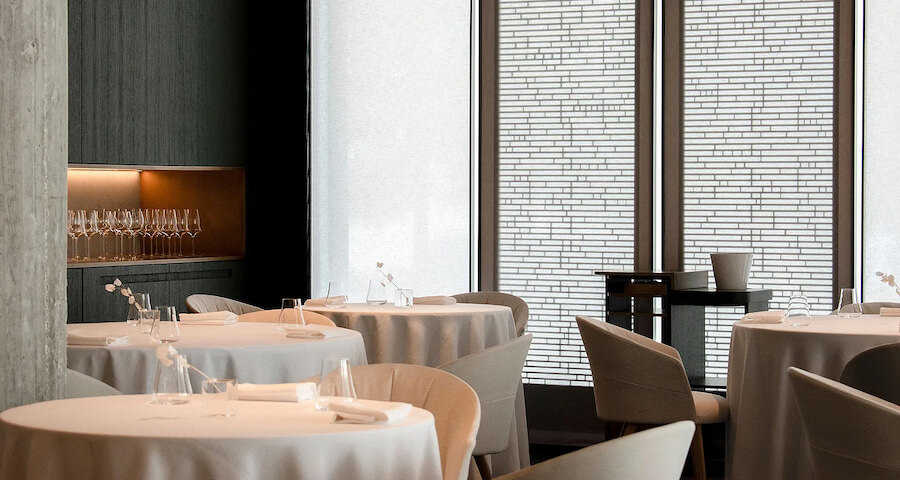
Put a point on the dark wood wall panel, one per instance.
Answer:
(158, 82)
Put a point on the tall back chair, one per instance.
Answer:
(79, 385)
(640, 382)
(657, 453)
(870, 308)
(495, 375)
(876, 371)
(453, 403)
(851, 434)
(202, 303)
(517, 305)
(271, 316)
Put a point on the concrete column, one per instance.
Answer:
(33, 158)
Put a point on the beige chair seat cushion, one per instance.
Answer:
(710, 408)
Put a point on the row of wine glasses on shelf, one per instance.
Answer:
(137, 233)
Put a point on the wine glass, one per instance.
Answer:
(797, 314)
(166, 330)
(848, 305)
(70, 231)
(291, 315)
(103, 229)
(159, 231)
(126, 223)
(193, 226)
(91, 228)
(113, 221)
(77, 230)
(170, 226)
(137, 226)
(147, 234)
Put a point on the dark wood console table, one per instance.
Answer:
(678, 299)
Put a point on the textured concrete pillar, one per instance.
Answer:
(33, 157)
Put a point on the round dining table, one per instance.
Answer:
(432, 335)
(126, 437)
(765, 432)
(247, 352)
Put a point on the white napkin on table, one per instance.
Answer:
(368, 411)
(74, 338)
(209, 318)
(312, 332)
(434, 300)
(889, 312)
(771, 316)
(277, 392)
(323, 302)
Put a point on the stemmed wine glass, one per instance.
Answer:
(136, 225)
(171, 228)
(147, 234)
(192, 226)
(103, 230)
(159, 230)
(91, 228)
(72, 231)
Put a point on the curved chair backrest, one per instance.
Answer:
(79, 385)
(870, 308)
(876, 371)
(657, 453)
(636, 380)
(851, 434)
(453, 403)
(495, 375)
(517, 305)
(202, 303)
(271, 316)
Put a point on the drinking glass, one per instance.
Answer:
(70, 231)
(112, 219)
(76, 230)
(141, 302)
(137, 226)
(219, 395)
(104, 230)
(170, 225)
(91, 228)
(148, 318)
(404, 297)
(166, 330)
(291, 314)
(377, 293)
(172, 386)
(335, 383)
(848, 305)
(335, 289)
(193, 226)
(797, 314)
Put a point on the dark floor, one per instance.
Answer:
(713, 445)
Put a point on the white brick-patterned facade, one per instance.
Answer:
(758, 157)
(566, 167)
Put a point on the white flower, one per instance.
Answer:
(124, 292)
(117, 283)
(166, 354)
(390, 277)
(110, 287)
(128, 290)
(379, 264)
(131, 300)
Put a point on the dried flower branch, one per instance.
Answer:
(126, 292)
(889, 279)
(389, 279)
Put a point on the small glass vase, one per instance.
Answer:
(172, 385)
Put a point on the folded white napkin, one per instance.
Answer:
(434, 300)
(312, 331)
(209, 318)
(771, 316)
(322, 302)
(74, 338)
(277, 392)
(889, 312)
(368, 411)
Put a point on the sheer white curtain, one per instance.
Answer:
(881, 164)
(391, 144)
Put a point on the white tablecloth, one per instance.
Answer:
(124, 437)
(766, 439)
(433, 335)
(247, 352)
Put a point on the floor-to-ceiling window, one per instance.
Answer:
(758, 155)
(391, 144)
(566, 168)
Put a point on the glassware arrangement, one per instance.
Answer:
(797, 313)
(137, 234)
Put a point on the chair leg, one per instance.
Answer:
(483, 468)
(697, 458)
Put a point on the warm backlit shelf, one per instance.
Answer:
(159, 261)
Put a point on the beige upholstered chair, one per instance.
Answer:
(851, 434)
(517, 305)
(494, 374)
(873, 308)
(657, 454)
(640, 382)
(271, 316)
(201, 303)
(876, 371)
(453, 403)
(79, 385)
